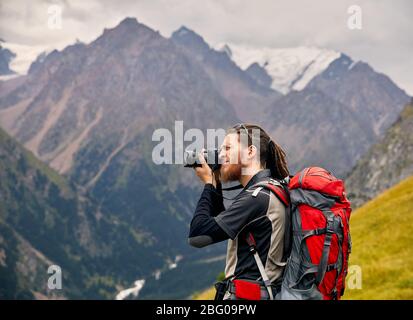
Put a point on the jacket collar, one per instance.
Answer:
(259, 176)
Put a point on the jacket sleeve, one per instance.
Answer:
(204, 230)
(213, 223)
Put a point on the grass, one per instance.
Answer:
(382, 236)
(208, 294)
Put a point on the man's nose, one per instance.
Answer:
(221, 155)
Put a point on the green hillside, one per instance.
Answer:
(382, 232)
(382, 236)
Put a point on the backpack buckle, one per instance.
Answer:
(330, 225)
(274, 182)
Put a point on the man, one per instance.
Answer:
(262, 215)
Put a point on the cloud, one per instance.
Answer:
(385, 40)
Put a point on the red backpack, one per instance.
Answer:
(317, 236)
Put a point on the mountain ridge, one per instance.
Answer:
(90, 112)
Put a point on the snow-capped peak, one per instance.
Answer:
(289, 68)
(25, 55)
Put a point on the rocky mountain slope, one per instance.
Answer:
(334, 120)
(45, 221)
(386, 163)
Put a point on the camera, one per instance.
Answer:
(211, 158)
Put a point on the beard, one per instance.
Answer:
(230, 172)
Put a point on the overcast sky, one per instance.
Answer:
(385, 40)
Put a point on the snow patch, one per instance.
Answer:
(25, 55)
(9, 76)
(174, 264)
(157, 274)
(289, 68)
(352, 65)
(134, 291)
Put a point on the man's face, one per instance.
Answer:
(230, 156)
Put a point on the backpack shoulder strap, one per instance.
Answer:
(253, 249)
(281, 192)
(275, 187)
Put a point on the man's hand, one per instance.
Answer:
(205, 172)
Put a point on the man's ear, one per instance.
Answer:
(252, 151)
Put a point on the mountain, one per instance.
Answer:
(45, 221)
(241, 89)
(90, 110)
(334, 120)
(330, 78)
(373, 96)
(259, 74)
(315, 129)
(15, 59)
(125, 81)
(6, 56)
(333, 108)
(386, 163)
(289, 68)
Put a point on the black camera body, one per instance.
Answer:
(211, 158)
